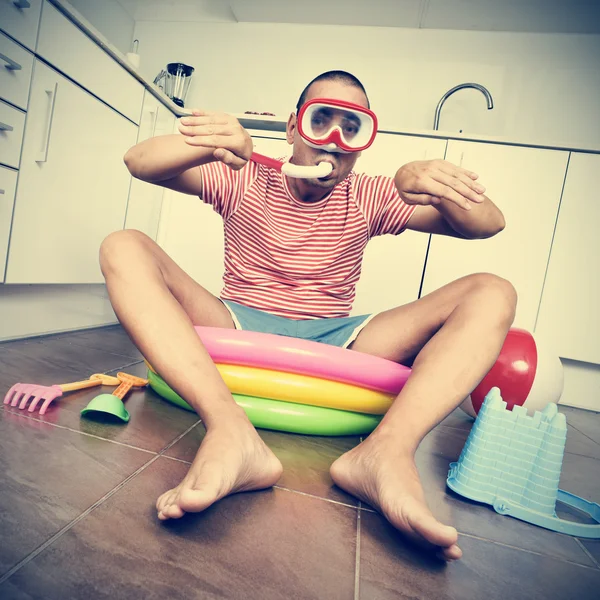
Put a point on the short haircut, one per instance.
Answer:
(341, 76)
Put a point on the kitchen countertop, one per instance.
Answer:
(265, 123)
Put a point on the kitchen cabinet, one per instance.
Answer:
(393, 265)
(569, 318)
(20, 19)
(191, 233)
(16, 65)
(8, 186)
(12, 124)
(71, 51)
(526, 184)
(145, 199)
(73, 184)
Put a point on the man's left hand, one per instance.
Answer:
(427, 182)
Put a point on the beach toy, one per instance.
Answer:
(513, 461)
(112, 404)
(297, 385)
(291, 170)
(22, 393)
(304, 357)
(303, 389)
(528, 374)
(284, 416)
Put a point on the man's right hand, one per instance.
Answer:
(231, 142)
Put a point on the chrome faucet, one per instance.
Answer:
(483, 90)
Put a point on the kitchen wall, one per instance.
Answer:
(546, 87)
(30, 310)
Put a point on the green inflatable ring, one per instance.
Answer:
(284, 416)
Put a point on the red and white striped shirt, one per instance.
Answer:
(296, 259)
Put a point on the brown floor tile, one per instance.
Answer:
(593, 547)
(52, 361)
(581, 476)
(390, 568)
(305, 459)
(48, 476)
(586, 421)
(444, 441)
(443, 446)
(153, 422)
(458, 419)
(265, 545)
(579, 443)
(17, 367)
(110, 339)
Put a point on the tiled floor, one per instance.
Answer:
(77, 515)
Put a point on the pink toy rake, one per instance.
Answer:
(24, 392)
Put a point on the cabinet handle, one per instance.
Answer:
(11, 65)
(5, 127)
(155, 121)
(155, 114)
(1, 192)
(43, 153)
(462, 155)
(21, 4)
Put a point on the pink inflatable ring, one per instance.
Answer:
(293, 355)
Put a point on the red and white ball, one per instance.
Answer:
(526, 373)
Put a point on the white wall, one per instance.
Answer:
(30, 310)
(110, 19)
(546, 87)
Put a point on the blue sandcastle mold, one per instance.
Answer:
(513, 462)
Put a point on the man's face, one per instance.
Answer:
(303, 154)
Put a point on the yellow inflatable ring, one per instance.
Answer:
(302, 389)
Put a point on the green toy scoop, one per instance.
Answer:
(112, 404)
(109, 404)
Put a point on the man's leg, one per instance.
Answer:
(158, 303)
(456, 334)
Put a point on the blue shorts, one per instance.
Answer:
(335, 331)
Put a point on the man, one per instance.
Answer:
(293, 253)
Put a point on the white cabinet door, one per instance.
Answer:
(191, 233)
(16, 65)
(393, 265)
(526, 184)
(20, 19)
(12, 124)
(73, 184)
(63, 45)
(273, 147)
(8, 185)
(569, 319)
(145, 199)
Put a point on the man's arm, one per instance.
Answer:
(172, 161)
(451, 201)
(168, 161)
(482, 221)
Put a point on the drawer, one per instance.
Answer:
(8, 185)
(65, 46)
(16, 65)
(12, 124)
(20, 19)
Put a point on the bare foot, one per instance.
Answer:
(387, 479)
(230, 459)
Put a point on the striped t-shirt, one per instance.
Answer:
(296, 259)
